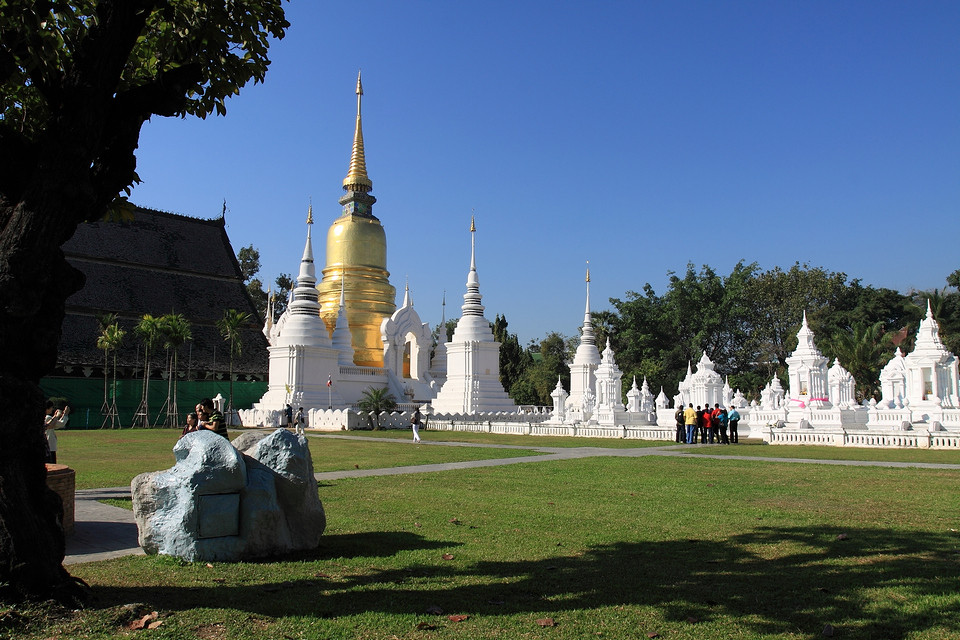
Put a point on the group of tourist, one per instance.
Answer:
(206, 416)
(710, 425)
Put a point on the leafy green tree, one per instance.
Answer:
(231, 326)
(249, 259)
(514, 360)
(284, 285)
(549, 363)
(776, 300)
(77, 82)
(376, 400)
(953, 279)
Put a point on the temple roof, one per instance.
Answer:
(158, 263)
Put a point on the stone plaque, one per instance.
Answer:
(218, 515)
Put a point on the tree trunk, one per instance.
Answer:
(35, 280)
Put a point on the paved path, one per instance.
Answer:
(103, 531)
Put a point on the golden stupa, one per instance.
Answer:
(357, 254)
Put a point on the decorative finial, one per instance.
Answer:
(310, 212)
(357, 179)
(588, 271)
(473, 226)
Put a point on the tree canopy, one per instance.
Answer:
(746, 322)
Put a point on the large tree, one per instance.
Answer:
(78, 79)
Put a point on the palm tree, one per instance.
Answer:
(863, 351)
(148, 330)
(230, 326)
(374, 401)
(110, 340)
(175, 330)
(105, 321)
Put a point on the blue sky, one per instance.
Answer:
(637, 135)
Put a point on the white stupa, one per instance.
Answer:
(583, 369)
(473, 357)
(302, 356)
(841, 387)
(893, 382)
(703, 387)
(931, 369)
(807, 372)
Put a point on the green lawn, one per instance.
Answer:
(680, 547)
(108, 458)
(830, 453)
(516, 440)
(684, 548)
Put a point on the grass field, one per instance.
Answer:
(832, 453)
(106, 458)
(680, 547)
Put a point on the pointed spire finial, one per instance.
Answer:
(357, 178)
(473, 253)
(310, 212)
(588, 271)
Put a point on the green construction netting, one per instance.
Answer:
(85, 397)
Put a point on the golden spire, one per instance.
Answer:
(357, 179)
(588, 271)
(310, 213)
(473, 227)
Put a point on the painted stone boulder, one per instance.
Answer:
(225, 502)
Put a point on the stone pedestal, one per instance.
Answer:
(63, 480)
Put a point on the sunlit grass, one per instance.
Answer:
(111, 458)
(621, 547)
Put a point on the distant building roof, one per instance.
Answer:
(159, 263)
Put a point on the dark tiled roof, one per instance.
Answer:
(158, 263)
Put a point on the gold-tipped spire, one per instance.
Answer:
(310, 213)
(357, 178)
(588, 271)
(473, 226)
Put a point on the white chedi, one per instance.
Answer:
(585, 361)
(807, 371)
(662, 402)
(841, 386)
(703, 387)
(559, 396)
(608, 382)
(634, 397)
(473, 357)
(893, 382)
(646, 398)
(931, 370)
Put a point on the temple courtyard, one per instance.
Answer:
(480, 536)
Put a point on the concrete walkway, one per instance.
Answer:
(102, 531)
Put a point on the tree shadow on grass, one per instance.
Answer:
(876, 583)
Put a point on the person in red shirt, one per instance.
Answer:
(707, 425)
